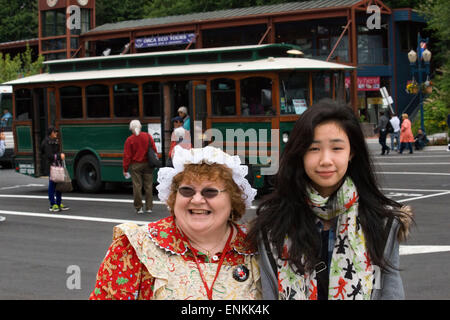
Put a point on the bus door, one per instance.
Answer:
(197, 108)
(39, 126)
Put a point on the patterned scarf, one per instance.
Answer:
(351, 274)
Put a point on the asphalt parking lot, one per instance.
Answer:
(40, 248)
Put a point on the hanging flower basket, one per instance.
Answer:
(412, 87)
(427, 87)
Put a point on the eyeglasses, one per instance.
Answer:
(207, 193)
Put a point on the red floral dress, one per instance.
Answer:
(155, 262)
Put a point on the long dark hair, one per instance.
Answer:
(286, 213)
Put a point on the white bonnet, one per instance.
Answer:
(208, 155)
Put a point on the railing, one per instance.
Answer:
(413, 107)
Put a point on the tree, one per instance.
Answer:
(19, 20)
(437, 13)
(22, 65)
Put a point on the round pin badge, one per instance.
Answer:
(241, 273)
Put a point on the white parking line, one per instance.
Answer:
(424, 197)
(69, 217)
(412, 163)
(408, 250)
(404, 250)
(82, 199)
(415, 173)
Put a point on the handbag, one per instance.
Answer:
(153, 159)
(66, 185)
(57, 172)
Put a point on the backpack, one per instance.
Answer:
(389, 127)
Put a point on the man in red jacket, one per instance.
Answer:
(135, 160)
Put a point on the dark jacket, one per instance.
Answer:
(50, 151)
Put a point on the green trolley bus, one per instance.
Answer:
(247, 98)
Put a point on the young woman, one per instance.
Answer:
(327, 231)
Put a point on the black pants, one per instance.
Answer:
(382, 141)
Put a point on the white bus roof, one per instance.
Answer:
(269, 64)
(6, 89)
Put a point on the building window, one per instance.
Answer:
(71, 102)
(152, 99)
(321, 86)
(23, 104)
(372, 45)
(294, 92)
(256, 96)
(126, 100)
(54, 23)
(97, 101)
(223, 96)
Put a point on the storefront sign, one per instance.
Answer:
(365, 83)
(166, 40)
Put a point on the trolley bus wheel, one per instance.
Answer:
(88, 174)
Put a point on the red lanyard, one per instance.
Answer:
(209, 291)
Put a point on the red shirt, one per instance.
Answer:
(135, 149)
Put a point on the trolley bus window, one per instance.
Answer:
(126, 100)
(23, 104)
(5, 104)
(294, 92)
(321, 86)
(71, 102)
(256, 96)
(97, 101)
(152, 99)
(223, 95)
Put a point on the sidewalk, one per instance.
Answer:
(374, 139)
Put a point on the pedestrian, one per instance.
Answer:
(2, 144)
(183, 113)
(2, 152)
(199, 251)
(52, 155)
(420, 140)
(448, 125)
(395, 123)
(135, 161)
(406, 135)
(382, 131)
(327, 231)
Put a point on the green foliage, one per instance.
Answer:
(22, 65)
(438, 105)
(18, 20)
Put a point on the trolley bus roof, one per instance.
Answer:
(267, 64)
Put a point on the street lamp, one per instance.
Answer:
(419, 68)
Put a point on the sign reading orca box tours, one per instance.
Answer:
(166, 40)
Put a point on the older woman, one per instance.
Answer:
(406, 135)
(199, 251)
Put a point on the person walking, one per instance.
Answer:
(448, 124)
(2, 144)
(327, 232)
(381, 128)
(135, 161)
(2, 152)
(406, 135)
(395, 123)
(50, 150)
